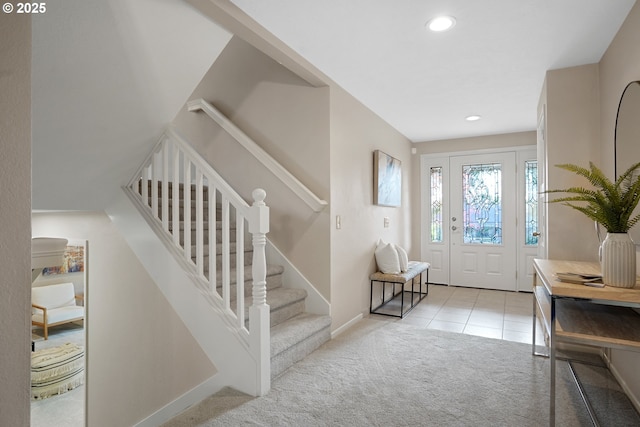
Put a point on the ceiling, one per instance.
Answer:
(108, 75)
(492, 63)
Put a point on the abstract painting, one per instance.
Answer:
(387, 180)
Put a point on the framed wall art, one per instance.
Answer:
(387, 180)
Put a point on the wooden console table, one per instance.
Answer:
(580, 314)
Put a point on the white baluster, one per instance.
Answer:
(154, 185)
(213, 249)
(240, 268)
(259, 322)
(165, 185)
(144, 193)
(175, 196)
(186, 195)
(200, 221)
(226, 264)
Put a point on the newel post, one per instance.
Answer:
(259, 321)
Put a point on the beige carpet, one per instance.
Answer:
(387, 374)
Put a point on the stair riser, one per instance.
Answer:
(281, 314)
(205, 190)
(285, 313)
(232, 217)
(205, 235)
(233, 261)
(273, 282)
(192, 203)
(299, 351)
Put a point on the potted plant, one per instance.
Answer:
(611, 204)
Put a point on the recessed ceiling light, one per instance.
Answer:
(441, 23)
(472, 118)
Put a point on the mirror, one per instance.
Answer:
(58, 388)
(627, 137)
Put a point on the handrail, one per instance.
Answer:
(269, 162)
(175, 180)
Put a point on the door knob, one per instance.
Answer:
(454, 228)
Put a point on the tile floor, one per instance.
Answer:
(482, 312)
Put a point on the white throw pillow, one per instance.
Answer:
(387, 258)
(403, 257)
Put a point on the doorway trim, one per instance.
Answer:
(426, 161)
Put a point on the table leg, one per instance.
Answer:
(552, 365)
(533, 340)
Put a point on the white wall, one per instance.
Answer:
(15, 212)
(573, 129)
(619, 66)
(140, 356)
(355, 133)
(289, 119)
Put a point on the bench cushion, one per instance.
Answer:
(415, 268)
(53, 296)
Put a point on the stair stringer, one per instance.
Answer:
(293, 278)
(195, 306)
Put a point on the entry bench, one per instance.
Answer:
(414, 272)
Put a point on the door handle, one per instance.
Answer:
(454, 228)
(536, 234)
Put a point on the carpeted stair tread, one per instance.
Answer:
(181, 204)
(291, 332)
(232, 249)
(282, 297)
(193, 224)
(278, 299)
(205, 223)
(272, 270)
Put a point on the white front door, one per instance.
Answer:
(483, 221)
(470, 234)
(435, 214)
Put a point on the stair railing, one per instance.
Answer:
(173, 178)
(302, 191)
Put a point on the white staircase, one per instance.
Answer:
(294, 333)
(219, 241)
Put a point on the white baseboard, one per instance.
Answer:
(346, 326)
(190, 398)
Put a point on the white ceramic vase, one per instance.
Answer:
(619, 261)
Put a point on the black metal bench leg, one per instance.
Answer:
(371, 298)
(427, 282)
